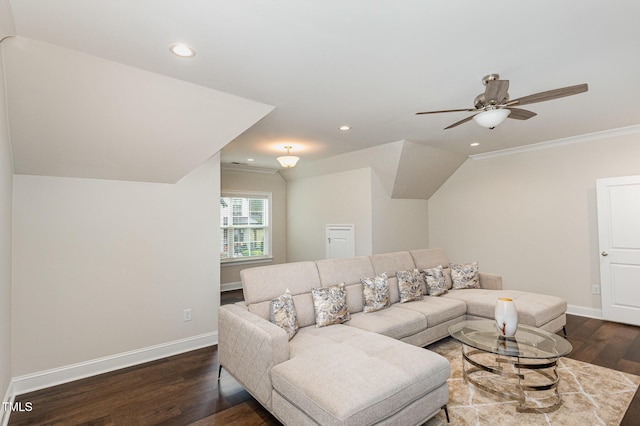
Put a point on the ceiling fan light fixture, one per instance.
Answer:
(288, 161)
(492, 117)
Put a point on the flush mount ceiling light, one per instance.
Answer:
(491, 117)
(288, 161)
(182, 50)
(345, 128)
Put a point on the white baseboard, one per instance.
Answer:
(69, 373)
(584, 311)
(9, 397)
(231, 286)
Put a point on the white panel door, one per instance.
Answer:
(340, 241)
(619, 237)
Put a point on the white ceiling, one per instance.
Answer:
(370, 64)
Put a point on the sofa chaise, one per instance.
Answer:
(371, 368)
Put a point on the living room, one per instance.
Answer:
(109, 206)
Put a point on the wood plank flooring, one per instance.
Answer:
(183, 389)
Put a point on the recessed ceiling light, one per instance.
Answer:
(249, 159)
(345, 128)
(182, 50)
(475, 144)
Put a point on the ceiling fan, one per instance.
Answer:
(493, 106)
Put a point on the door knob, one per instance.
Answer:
(604, 253)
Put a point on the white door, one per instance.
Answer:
(619, 235)
(340, 241)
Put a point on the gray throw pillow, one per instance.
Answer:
(410, 285)
(465, 275)
(330, 305)
(436, 282)
(282, 312)
(375, 292)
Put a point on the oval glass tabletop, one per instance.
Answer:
(528, 342)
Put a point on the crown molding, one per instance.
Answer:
(247, 168)
(559, 142)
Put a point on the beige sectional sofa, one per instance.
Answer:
(371, 369)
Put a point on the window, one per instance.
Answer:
(245, 231)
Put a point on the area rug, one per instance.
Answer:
(591, 395)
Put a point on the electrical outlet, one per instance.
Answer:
(595, 289)
(186, 315)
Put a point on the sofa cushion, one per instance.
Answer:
(429, 258)
(436, 310)
(467, 294)
(330, 305)
(392, 322)
(354, 297)
(264, 283)
(533, 309)
(345, 270)
(305, 312)
(410, 285)
(538, 309)
(341, 375)
(375, 293)
(348, 271)
(465, 275)
(391, 263)
(282, 312)
(435, 281)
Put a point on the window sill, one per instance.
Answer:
(239, 261)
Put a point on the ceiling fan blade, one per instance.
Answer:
(496, 91)
(550, 94)
(457, 123)
(445, 110)
(521, 114)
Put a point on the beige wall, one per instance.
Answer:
(531, 216)
(103, 267)
(339, 198)
(6, 189)
(398, 224)
(358, 197)
(77, 115)
(263, 182)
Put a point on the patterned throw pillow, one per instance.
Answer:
(410, 285)
(376, 293)
(436, 283)
(330, 305)
(465, 275)
(282, 313)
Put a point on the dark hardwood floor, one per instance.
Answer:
(611, 345)
(183, 389)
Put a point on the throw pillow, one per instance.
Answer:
(465, 275)
(282, 313)
(376, 293)
(330, 305)
(436, 282)
(410, 285)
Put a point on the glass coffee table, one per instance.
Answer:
(521, 368)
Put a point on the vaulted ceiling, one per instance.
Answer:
(370, 64)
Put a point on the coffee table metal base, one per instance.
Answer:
(518, 381)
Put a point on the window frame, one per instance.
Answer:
(268, 227)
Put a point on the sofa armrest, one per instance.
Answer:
(490, 281)
(248, 347)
